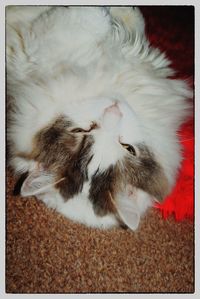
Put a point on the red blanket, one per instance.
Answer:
(172, 30)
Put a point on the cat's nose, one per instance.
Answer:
(113, 109)
(111, 117)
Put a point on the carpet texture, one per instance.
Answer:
(47, 253)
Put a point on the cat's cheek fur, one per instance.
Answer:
(21, 165)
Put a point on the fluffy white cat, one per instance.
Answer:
(92, 113)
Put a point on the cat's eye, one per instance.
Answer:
(78, 130)
(129, 148)
(81, 130)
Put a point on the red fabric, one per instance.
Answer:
(181, 201)
(171, 28)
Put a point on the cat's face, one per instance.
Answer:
(97, 148)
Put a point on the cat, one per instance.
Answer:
(92, 114)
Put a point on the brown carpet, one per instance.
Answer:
(46, 253)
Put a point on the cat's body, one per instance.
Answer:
(92, 116)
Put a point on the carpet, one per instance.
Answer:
(47, 253)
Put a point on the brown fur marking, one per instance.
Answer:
(146, 174)
(64, 154)
(102, 185)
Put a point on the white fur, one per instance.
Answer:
(80, 209)
(72, 61)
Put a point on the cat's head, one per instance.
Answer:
(99, 144)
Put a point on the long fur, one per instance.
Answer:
(76, 62)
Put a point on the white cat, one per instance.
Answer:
(92, 113)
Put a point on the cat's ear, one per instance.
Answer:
(127, 211)
(37, 182)
(131, 204)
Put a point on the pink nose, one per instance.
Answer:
(113, 109)
(111, 117)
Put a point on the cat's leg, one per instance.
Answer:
(23, 13)
(129, 35)
(18, 21)
(128, 29)
(130, 18)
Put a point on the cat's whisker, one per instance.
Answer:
(62, 179)
(112, 199)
